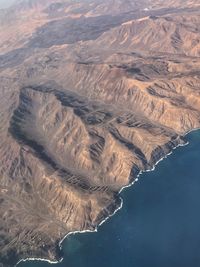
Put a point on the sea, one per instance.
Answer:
(158, 225)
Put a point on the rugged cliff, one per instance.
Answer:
(90, 95)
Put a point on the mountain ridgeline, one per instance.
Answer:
(91, 93)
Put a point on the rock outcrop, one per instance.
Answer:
(90, 95)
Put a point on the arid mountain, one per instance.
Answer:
(91, 93)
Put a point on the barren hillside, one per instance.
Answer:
(91, 93)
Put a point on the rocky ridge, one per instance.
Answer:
(91, 94)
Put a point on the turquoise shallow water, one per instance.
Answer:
(158, 226)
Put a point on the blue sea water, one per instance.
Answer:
(158, 226)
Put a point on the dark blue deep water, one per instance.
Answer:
(158, 226)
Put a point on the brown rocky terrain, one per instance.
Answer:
(91, 93)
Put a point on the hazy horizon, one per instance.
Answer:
(6, 3)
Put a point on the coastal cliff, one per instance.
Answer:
(91, 94)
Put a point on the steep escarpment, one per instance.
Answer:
(66, 160)
(94, 140)
(90, 95)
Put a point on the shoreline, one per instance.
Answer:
(116, 210)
